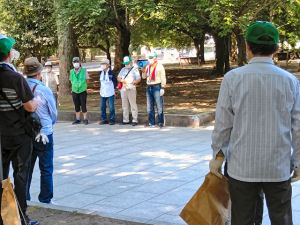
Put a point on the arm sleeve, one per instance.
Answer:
(223, 121)
(86, 74)
(121, 73)
(23, 90)
(137, 74)
(296, 128)
(163, 76)
(144, 76)
(56, 79)
(51, 105)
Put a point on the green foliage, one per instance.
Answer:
(32, 24)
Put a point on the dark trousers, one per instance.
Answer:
(45, 155)
(244, 200)
(153, 97)
(259, 209)
(17, 149)
(111, 106)
(79, 100)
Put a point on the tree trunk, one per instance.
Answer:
(67, 50)
(227, 42)
(202, 49)
(107, 51)
(197, 47)
(122, 48)
(220, 59)
(241, 44)
(222, 54)
(117, 61)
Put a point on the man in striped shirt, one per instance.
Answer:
(16, 145)
(257, 129)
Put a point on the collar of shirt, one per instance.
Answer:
(77, 72)
(10, 66)
(261, 60)
(32, 80)
(104, 75)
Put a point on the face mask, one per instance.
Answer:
(128, 66)
(103, 67)
(76, 65)
(15, 54)
(48, 70)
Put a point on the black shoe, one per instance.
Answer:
(161, 125)
(85, 122)
(125, 123)
(111, 122)
(102, 122)
(134, 123)
(76, 122)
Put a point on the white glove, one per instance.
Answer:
(296, 175)
(162, 92)
(42, 137)
(215, 166)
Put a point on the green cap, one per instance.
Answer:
(6, 44)
(259, 29)
(126, 60)
(153, 56)
(76, 59)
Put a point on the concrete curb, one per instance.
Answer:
(174, 120)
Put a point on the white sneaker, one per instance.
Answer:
(52, 202)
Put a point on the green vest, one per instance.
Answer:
(78, 81)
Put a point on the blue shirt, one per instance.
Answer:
(258, 122)
(46, 111)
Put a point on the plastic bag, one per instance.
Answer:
(210, 205)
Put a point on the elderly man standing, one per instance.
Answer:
(79, 77)
(257, 125)
(156, 81)
(50, 79)
(108, 83)
(46, 113)
(129, 76)
(16, 145)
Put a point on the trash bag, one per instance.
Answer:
(9, 206)
(210, 205)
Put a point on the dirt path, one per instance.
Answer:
(57, 217)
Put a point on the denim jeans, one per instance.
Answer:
(153, 96)
(45, 154)
(111, 105)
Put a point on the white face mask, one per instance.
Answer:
(103, 67)
(76, 65)
(48, 70)
(15, 54)
(127, 65)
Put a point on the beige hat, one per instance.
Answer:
(32, 67)
(105, 61)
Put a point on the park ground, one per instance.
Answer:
(129, 174)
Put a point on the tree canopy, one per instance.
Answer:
(43, 28)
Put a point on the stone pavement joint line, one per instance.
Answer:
(133, 173)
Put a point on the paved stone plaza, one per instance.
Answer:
(137, 174)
